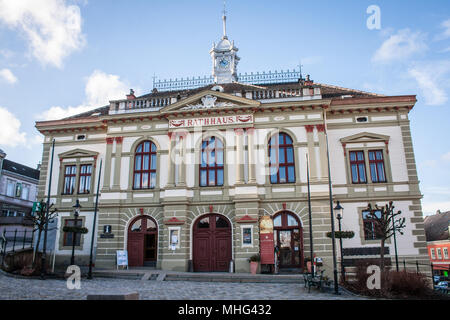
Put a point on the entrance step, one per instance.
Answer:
(211, 277)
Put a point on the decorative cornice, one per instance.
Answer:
(247, 219)
(174, 221)
(119, 139)
(320, 127)
(309, 128)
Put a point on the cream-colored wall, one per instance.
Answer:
(396, 152)
(351, 222)
(100, 148)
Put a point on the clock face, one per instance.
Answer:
(223, 63)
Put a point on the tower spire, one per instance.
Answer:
(224, 18)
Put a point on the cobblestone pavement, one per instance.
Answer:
(51, 289)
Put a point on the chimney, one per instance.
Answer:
(308, 81)
(131, 96)
(38, 167)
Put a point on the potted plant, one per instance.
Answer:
(254, 262)
(308, 264)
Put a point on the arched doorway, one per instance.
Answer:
(142, 242)
(212, 243)
(288, 236)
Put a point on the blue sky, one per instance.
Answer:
(59, 57)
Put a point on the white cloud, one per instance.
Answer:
(8, 76)
(429, 208)
(100, 89)
(446, 157)
(10, 134)
(400, 46)
(52, 28)
(446, 33)
(433, 80)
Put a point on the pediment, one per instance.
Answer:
(77, 153)
(365, 137)
(210, 99)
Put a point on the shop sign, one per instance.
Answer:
(122, 258)
(210, 121)
(266, 241)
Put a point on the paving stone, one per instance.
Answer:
(54, 289)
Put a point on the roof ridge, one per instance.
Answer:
(348, 89)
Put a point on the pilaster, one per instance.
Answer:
(107, 175)
(239, 165)
(117, 164)
(251, 156)
(322, 152)
(311, 152)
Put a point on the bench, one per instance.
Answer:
(317, 281)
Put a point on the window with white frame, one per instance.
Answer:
(10, 188)
(445, 253)
(25, 192)
(433, 255)
(439, 253)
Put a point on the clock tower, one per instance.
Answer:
(224, 58)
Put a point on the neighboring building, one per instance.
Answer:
(189, 169)
(18, 190)
(437, 229)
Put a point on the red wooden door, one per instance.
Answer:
(142, 241)
(289, 239)
(212, 243)
(135, 250)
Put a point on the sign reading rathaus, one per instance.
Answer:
(189, 173)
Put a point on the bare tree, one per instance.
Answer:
(386, 225)
(40, 219)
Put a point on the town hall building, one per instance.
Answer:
(190, 169)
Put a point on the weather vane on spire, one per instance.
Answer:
(224, 17)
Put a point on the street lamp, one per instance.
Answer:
(339, 215)
(76, 214)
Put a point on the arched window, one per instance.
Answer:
(281, 158)
(145, 166)
(211, 164)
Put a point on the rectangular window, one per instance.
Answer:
(439, 253)
(358, 167)
(84, 184)
(10, 188)
(371, 226)
(25, 192)
(376, 163)
(70, 173)
(18, 190)
(445, 253)
(433, 255)
(68, 236)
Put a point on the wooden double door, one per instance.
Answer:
(142, 242)
(212, 243)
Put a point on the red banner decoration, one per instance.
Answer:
(266, 243)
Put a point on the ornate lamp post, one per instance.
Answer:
(339, 215)
(76, 214)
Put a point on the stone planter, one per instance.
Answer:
(254, 267)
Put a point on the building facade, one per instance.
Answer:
(437, 229)
(190, 168)
(18, 191)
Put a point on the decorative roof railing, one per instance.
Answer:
(182, 84)
(250, 78)
(270, 77)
